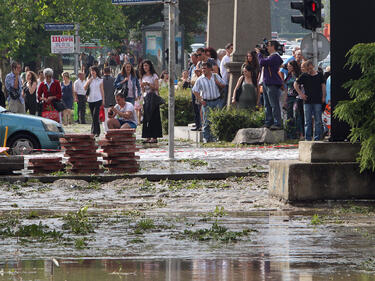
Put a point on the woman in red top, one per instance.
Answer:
(49, 91)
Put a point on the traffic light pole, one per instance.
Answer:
(315, 48)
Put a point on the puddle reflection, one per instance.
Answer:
(173, 270)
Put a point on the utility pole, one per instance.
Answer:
(77, 48)
(315, 48)
(171, 71)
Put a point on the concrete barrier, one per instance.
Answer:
(328, 172)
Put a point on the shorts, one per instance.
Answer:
(131, 124)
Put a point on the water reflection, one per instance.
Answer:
(171, 270)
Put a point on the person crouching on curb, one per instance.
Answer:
(122, 115)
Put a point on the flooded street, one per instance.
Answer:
(179, 230)
(136, 229)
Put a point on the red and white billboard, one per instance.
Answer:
(62, 44)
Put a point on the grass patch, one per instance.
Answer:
(194, 162)
(80, 243)
(78, 223)
(145, 224)
(215, 233)
(316, 220)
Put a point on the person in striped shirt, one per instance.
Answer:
(207, 91)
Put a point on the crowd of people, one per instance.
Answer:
(293, 87)
(129, 96)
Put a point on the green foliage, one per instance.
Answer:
(215, 233)
(225, 123)
(359, 112)
(27, 41)
(193, 15)
(80, 243)
(183, 108)
(78, 222)
(316, 220)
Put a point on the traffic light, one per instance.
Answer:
(311, 10)
(313, 17)
(301, 7)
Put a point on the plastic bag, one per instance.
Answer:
(75, 109)
(101, 114)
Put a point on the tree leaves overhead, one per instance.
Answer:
(24, 21)
(26, 40)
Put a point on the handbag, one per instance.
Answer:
(52, 114)
(88, 91)
(58, 105)
(14, 93)
(239, 90)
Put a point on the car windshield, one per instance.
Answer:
(2, 109)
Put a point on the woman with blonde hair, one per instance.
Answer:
(67, 98)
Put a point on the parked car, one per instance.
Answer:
(28, 132)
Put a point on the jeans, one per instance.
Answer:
(197, 112)
(206, 123)
(311, 109)
(81, 109)
(94, 109)
(271, 95)
(131, 100)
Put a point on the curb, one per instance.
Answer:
(150, 177)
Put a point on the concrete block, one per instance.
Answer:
(259, 135)
(296, 181)
(186, 133)
(319, 151)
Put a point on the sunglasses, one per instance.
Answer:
(198, 55)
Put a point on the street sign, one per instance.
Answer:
(58, 26)
(308, 49)
(136, 2)
(62, 44)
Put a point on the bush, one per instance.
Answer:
(225, 123)
(359, 111)
(184, 113)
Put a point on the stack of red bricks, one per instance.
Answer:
(81, 152)
(119, 151)
(45, 165)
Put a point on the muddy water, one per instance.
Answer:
(175, 270)
(286, 242)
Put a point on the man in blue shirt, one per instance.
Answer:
(13, 84)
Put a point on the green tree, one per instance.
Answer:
(27, 41)
(193, 16)
(359, 112)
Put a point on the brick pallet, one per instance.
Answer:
(119, 150)
(81, 152)
(45, 165)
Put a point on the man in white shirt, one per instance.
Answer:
(224, 72)
(80, 97)
(226, 59)
(206, 91)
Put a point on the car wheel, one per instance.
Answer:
(22, 144)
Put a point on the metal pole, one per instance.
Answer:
(77, 48)
(315, 49)
(171, 71)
